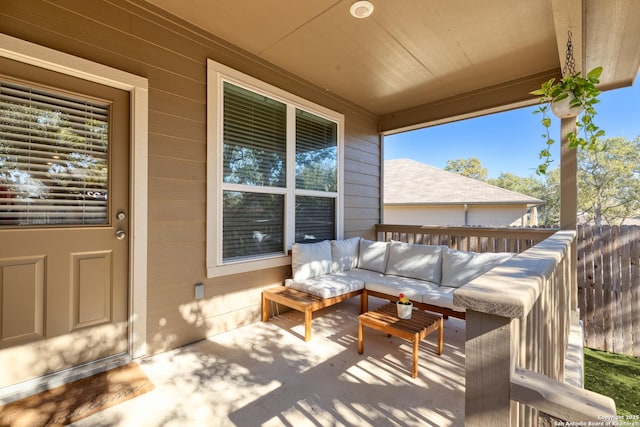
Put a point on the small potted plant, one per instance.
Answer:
(404, 307)
(570, 96)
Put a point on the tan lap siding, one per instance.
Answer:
(363, 157)
(138, 38)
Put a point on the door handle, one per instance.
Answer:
(120, 234)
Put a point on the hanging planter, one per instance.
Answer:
(564, 110)
(568, 97)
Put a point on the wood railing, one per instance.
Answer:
(476, 239)
(518, 318)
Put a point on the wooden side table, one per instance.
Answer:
(302, 301)
(385, 319)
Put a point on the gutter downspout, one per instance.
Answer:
(466, 214)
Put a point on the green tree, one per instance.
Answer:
(317, 169)
(530, 186)
(471, 168)
(608, 185)
(609, 181)
(549, 211)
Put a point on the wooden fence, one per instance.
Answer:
(609, 287)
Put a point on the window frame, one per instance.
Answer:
(217, 74)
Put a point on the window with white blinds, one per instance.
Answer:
(54, 152)
(252, 224)
(255, 138)
(315, 219)
(316, 153)
(277, 168)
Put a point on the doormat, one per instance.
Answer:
(71, 402)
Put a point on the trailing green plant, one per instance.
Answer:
(582, 93)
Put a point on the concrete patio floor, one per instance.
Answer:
(265, 374)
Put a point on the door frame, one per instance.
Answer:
(138, 88)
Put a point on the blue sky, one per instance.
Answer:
(510, 142)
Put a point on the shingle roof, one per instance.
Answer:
(408, 182)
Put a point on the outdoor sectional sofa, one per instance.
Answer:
(428, 275)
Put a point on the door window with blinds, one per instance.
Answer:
(54, 153)
(277, 167)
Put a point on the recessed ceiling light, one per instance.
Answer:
(361, 9)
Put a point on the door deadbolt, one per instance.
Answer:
(121, 216)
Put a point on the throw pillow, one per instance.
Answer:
(460, 267)
(422, 262)
(309, 260)
(344, 254)
(373, 255)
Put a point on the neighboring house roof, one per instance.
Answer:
(408, 182)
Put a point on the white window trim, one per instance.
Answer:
(216, 75)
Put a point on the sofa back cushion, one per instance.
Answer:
(344, 254)
(422, 262)
(373, 255)
(460, 267)
(309, 260)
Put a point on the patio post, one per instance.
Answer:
(491, 349)
(569, 200)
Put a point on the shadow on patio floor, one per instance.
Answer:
(264, 374)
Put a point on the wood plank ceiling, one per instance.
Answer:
(415, 62)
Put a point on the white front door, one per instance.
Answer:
(64, 222)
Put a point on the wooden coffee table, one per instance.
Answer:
(303, 302)
(385, 319)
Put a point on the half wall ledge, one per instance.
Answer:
(512, 288)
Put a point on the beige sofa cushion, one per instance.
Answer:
(423, 262)
(309, 260)
(373, 255)
(442, 296)
(328, 285)
(395, 285)
(460, 267)
(344, 254)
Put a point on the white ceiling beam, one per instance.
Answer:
(506, 96)
(568, 15)
(612, 38)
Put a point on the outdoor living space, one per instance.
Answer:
(266, 374)
(149, 233)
